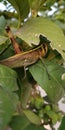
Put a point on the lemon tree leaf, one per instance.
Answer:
(19, 122)
(7, 107)
(62, 126)
(8, 99)
(34, 127)
(25, 92)
(21, 6)
(3, 23)
(4, 47)
(32, 29)
(3, 40)
(8, 78)
(33, 118)
(49, 79)
(22, 123)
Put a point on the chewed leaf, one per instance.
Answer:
(32, 29)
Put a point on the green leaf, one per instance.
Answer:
(33, 118)
(22, 123)
(50, 78)
(24, 85)
(34, 127)
(53, 116)
(8, 78)
(4, 46)
(25, 92)
(22, 8)
(8, 99)
(3, 23)
(3, 40)
(38, 102)
(19, 122)
(7, 107)
(62, 126)
(32, 29)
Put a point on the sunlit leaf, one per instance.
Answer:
(50, 78)
(32, 29)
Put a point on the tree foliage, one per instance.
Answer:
(32, 53)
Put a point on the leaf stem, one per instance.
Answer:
(19, 23)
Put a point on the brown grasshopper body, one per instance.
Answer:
(26, 58)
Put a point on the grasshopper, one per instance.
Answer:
(26, 58)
